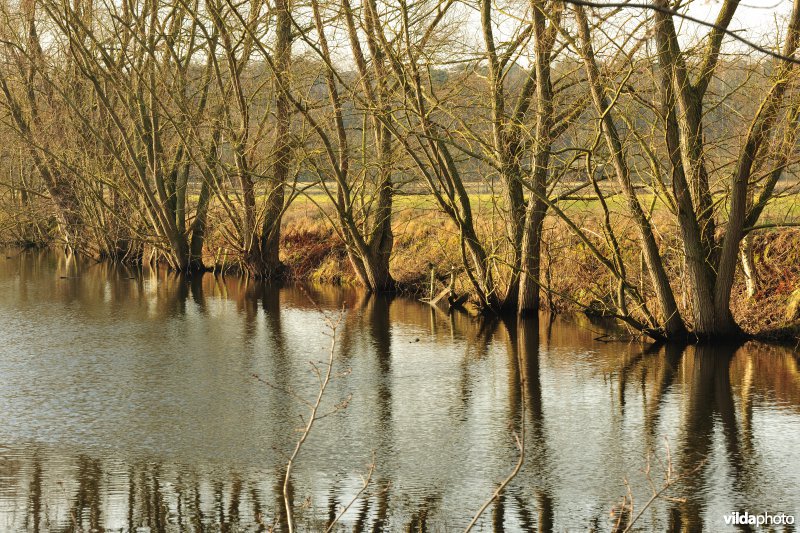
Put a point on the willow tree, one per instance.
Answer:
(135, 66)
(711, 255)
(672, 322)
(357, 167)
(547, 128)
(265, 256)
(29, 99)
(390, 97)
(431, 138)
(712, 224)
(255, 77)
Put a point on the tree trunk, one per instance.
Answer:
(529, 285)
(673, 323)
(758, 135)
(529, 298)
(264, 260)
(376, 263)
(749, 265)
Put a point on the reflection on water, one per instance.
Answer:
(128, 401)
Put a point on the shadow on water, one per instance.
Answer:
(154, 418)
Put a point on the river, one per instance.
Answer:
(136, 400)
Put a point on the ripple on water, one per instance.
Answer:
(130, 404)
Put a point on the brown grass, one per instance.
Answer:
(777, 259)
(424, 237)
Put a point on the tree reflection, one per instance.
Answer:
(474, 377)
(663, 379)
(85, 511)
(712, 402)
(525, 385)
(529, 364)
(34, 516)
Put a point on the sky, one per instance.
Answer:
(758, 20)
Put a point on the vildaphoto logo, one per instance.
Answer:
(764, 519)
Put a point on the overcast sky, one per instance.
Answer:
(759, 19)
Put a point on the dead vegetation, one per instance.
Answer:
(311, 250)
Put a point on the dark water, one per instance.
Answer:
(128, 402)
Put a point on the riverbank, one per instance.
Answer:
(574, 279)
(312, 251)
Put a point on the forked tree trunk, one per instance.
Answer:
(758, 135)
(369, 241)
(506, 157)
(712, 274)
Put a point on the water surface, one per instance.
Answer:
(136, 401)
